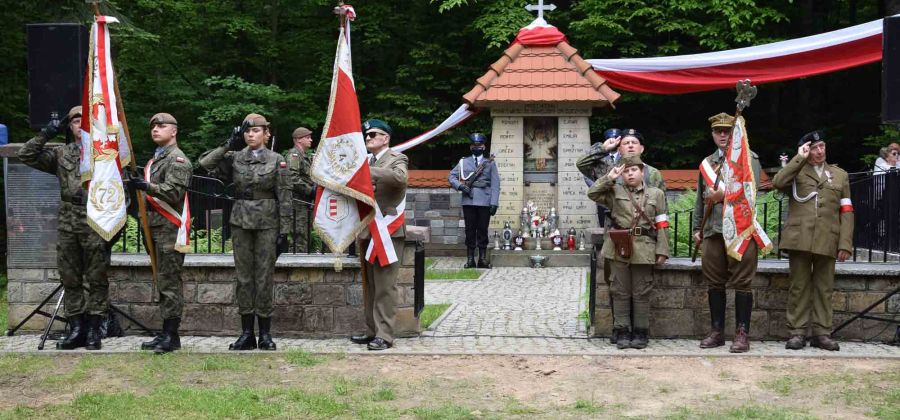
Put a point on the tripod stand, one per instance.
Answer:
(864, 314)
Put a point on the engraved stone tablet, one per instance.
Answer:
(32, 202)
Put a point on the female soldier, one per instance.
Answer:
(260, 221)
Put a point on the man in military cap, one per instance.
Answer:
(389, 178)
(166, 180)
(260, 220)
(819, 230)
(477, 178)
(82, 255)
(304, 187)
(719, 269)
(641, 209)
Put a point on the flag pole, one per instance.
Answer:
(141, 200)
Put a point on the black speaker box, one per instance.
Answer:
(890, 71)
(57, 57)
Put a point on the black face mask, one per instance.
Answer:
(478, 152)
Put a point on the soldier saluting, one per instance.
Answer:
(166, 179)
(82, 255)
(477, 178)
(819, 230)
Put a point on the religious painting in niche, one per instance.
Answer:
(541, 144)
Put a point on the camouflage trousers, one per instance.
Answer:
(168, 263)
(254, 261)
(630, 287)
(300, 234)
(83, 262)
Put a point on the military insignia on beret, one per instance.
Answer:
(284, 164)
(366, 125)
(815, 136)
(179, 159)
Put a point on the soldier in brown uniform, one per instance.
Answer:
(82, 255)
(304, 188)
(819, 229)
(169, 178)
(641, 209)
(389, 176)
(719, 269)
(260, 220)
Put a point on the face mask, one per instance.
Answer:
(477, 152)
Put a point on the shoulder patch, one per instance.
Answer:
(179, 159)
(282, 164)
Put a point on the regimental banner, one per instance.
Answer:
(739, 224)
(104, 147)
(345, 199)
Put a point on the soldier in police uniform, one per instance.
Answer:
(600, 159)
(260, 220)
(82, 255)
(389, 179)
(719, 269)
(819, 230)
(169, 178)
(641, 208)
(304, 189)
(480, 198)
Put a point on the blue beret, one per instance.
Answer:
(611, 133)
(379, 124)
(478, 138)
(813, 136)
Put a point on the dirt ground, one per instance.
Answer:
(495, 386)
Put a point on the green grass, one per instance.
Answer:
(461, 274)
(585, 315)
(588, 406)
(753, 411)
(789, 384)
(430, 313)
(302, 358)
(4, 305)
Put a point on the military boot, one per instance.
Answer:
(150, 345)
(93, 333)
(623, 341)
(824, 342)
(640, 338)
(265, 338)
(743, 307)
(716, 336)
(470, 258)
(77, 334)
(170, 341)
(482, 258)
(247, 341)
(796, 342)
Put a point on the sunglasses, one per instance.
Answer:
(373, 134)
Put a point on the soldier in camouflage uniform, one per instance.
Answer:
(304, 188)
(170, 176)
(260, 220)
(82, 255)
(719, 269)
(600, 159)
(642, 209)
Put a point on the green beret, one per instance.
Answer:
(377, 124)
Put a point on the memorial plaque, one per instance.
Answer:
(540, 109)
(32, 203)
(543, 196)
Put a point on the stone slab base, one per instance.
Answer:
(503, 258)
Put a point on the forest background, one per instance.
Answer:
(211, 62)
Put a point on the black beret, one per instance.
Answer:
(812, 137)
(630, 132)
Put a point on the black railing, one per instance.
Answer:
(210, 203)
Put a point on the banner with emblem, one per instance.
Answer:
(739, 224)
(345, 199)
(104, 147)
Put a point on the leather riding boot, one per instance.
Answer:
(170, 341)
(482, 258)
(93, 333)
(470, 258)
(624, 339)
(265, 337)
(824, 342)
(77, 334)
(743, 307)
(247, 341)
(716, 336)
(640, 338)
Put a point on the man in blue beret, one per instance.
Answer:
(477, 178)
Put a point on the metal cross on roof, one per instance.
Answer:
(540, 8)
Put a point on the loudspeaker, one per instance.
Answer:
(57, 57)
(890, 71)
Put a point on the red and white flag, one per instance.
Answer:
(345, 199)
(104, 147)
(739, 224)
(181, 220)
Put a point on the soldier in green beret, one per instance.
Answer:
(641, 209)
(819, 229)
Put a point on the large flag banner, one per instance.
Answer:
(104, 147)
(345, 199)
(739, 224)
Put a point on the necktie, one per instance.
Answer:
(372, 160)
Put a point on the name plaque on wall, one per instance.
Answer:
(542, 109)
(32, 202)
(542, 194)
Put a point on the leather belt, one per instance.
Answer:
(641, 231)
(256, 195)
(481, 184)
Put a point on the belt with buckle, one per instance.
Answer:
(642, 231)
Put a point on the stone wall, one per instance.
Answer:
(679, 305)
(439, 209)
(311, 299)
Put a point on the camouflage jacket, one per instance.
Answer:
(262, 186)
(615, 197)
(303, 186)
(714, 224)
(596, 165)
(63, 162)
(170, 177)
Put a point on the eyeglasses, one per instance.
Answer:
(373, 134)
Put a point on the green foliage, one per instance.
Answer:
(889, 134)
(205, 243)
(430, 313)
